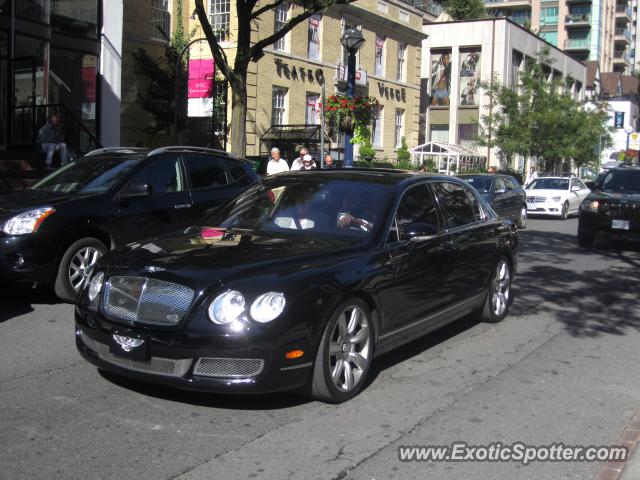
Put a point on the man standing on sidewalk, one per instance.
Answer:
(276, 164)
(51, 140)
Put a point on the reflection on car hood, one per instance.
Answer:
(219, 253)
(16, 202)
(543, 192)
(630, 197)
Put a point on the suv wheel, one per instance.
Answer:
(76, 264)
(522, 219)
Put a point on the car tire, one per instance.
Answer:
(564, 213)
(345, 353)
(75, 265)
(522, 218)
(585, 240)
(499, 295)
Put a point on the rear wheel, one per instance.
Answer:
(345, 353)
(522, 219)
(499, 297)
(76, 264)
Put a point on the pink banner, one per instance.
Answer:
(201, 78)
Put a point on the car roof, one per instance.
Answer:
(372, 175)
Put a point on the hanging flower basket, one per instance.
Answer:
(351, 115)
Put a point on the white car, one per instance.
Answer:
(555, 196)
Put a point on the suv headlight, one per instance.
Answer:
(590, 205)
(267, 307)
(226, 307)
(27, 222)
(95, 286)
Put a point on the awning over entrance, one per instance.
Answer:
(448, 158)
(302, 134)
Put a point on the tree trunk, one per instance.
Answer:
(239, 115)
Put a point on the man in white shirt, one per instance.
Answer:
(276, 164)
(298, 162)
(531, 176)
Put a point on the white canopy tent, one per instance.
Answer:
(448, 158)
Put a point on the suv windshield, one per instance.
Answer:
(87, 175)
(481, 183)
(337, 208)
(549, 184)
(622, 180)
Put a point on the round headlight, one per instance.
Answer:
(590, 205)
(267, 307)
(95, 286)
(226, 307)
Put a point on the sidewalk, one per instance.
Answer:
(631, 469)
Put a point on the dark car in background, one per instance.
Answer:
(55, 231)
(612, 209)
(504, 193)
(299, 282)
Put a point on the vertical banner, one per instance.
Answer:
(313, 41)
(440, 79)
(469, 78)
(379, 61)
(201, 75)
(618, 120)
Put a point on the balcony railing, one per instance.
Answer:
(622, 55)
(624, 9)
(577, 18)
(577, 43)
(428, 6)
(623, 32)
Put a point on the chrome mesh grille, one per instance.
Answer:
(228, 367)
(155, 365)
(146, 300)
(623, 210)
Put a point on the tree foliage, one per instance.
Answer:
(539, 119)
(465, 9)
(248, 13)
(157, 96)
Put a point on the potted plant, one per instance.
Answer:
(351, 115)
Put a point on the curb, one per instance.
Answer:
(629, 438)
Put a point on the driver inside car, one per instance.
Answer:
(354, 211)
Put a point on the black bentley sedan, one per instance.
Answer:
(55, 231)
(612, 209)
(298, 283)
(504, 193)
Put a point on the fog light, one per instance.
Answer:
(293, 354)
(19, 261)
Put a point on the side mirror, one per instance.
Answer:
(592, 186)
(418, 231)
(133, 191)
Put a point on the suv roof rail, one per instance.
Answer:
(188, 148)
(116, 150)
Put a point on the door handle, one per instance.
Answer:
(182, 205)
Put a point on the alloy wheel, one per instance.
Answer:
(350, 348)
(501, 289)
(81, 265)
(523, 217)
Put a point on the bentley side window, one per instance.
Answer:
(458, 204)
(417, 214)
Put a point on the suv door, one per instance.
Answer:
(473, 238)
(210, 183)
(421, 266)
(161, 209)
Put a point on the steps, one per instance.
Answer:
(20, 169)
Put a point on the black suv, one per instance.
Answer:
(55, 231)
(612, 209)
(504, 194)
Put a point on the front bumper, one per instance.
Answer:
(546, 208)
(597, 224)
(22, 259)
(237, 365)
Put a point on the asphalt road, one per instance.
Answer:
(563, 367)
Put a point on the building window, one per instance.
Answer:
(382, 7)
(549, 16)
(402, 53)
(399, 128)
(312, 116)
(516, 65)
(281, 17)
(379, 56)
(279, 106)
(160, 20)
(551, 37)
(313, 40)
(403, 16)
(376, 131)
(439, 134)
(220, 17)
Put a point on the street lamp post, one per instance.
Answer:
(352, 40)
(628, 130)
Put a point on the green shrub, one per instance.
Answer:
(514, 173)
(367, 152)
(403, 152)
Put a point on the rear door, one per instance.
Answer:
(162, 210)
(513, 198)
(500, 198)
(473, 238)
(210, 182)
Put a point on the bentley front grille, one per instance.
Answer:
(168, 367)
(146, 300)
